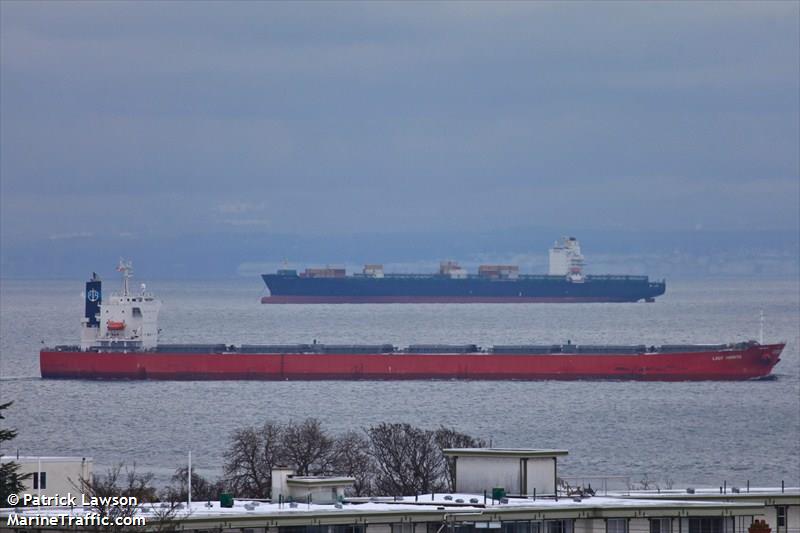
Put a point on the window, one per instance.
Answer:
(39, 480)
(617, 525)
(137, 311)
(516, 527)
(781, 512)
(355, 528)
(660, 525)
(558, 526)
(705, 525)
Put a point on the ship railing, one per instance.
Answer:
(600, 484)
(617, 277)
(315, 348)
(443, 348)
(191, 348)
(386, 348)
(65, 348)
(399, 276)
(530, 277)
(677, 348)
(355, 348)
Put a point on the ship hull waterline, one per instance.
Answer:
(437, 299)
(289, 289)
(728, 365)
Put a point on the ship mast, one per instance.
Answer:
(126, 267)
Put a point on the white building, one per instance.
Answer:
(288, 487)
(323, 511)
(52, 475)
(515, 471)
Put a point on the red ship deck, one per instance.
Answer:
(753, 362)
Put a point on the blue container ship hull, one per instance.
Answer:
(396, 288)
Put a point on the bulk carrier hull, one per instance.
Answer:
(751, 361)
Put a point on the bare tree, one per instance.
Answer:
(254, 452)
(407, 458)
(353, 458)
(450, 438)
(202, 488)
(396, 459)
(103, 493)
(11, 481)
(308, 447)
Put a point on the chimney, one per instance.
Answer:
(280, 476)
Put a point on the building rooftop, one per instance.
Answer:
(320, 480)
(43, 458)
(711, 493)
(503, 452)
(429, 507)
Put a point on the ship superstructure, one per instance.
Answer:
(566, 260)
(124, 320)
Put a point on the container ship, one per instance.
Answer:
(119, 340)
(565, 282)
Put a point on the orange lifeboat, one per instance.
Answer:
(113, 325)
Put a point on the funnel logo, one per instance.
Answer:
(93, 295)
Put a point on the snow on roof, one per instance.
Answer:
(422, 506)
(504, 452)
(43, 458)
(320, 480)
(709, 492)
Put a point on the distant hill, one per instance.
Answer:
(684, 254)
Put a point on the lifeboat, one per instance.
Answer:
(113, 325)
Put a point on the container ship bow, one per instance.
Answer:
(119, 340)
(565, 282)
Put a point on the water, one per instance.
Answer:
(691, 433)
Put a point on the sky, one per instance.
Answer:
(160, 120)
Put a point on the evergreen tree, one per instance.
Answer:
(10, 479)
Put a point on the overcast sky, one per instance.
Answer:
(155, 117)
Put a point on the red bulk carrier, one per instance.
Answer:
(108, 351)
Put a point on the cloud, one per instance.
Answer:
(183, 118)
(67, 236)
(239, 208)
(248, 222)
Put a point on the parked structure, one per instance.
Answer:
(51, 475)
(516, 471)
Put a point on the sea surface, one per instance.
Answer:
(681, 434)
